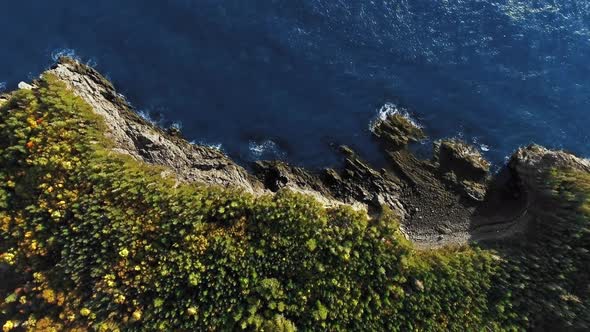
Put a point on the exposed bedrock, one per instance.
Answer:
(355, 182)
(140, 139)
(450, 199)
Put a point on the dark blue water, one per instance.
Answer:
(284, 78)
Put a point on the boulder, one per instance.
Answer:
(397, 131)
(462, 159)
(24, 86)
(531, 163)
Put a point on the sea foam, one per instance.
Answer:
(176, 125)
(146, 116)
(60, 52)
(266, 148)
(71, 53)
(214, 146)
(483, 147)
(391, 109)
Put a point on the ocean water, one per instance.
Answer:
(290, 79)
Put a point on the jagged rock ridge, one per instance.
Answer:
(134, 136)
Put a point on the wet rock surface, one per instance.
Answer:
(450, 199)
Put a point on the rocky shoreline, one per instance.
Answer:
(451, 199)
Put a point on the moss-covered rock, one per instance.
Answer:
(397, 131)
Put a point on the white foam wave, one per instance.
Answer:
(215, 146)
(176, 125)
(2, 86)
(92, 63)
(391, 109)
(146, 116)
(483, 147)
(265, 148)
(71, 53)
(60, 52)
(522, 11)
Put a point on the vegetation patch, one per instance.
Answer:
(93, 240)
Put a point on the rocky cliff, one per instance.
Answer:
(134, 136)
(450, 199)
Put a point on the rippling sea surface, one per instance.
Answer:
(288, 79)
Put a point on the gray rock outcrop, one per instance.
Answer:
(140, 139)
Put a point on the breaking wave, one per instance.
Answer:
(71, 53)
(61, 52)
(265, 150)
(391, 109)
